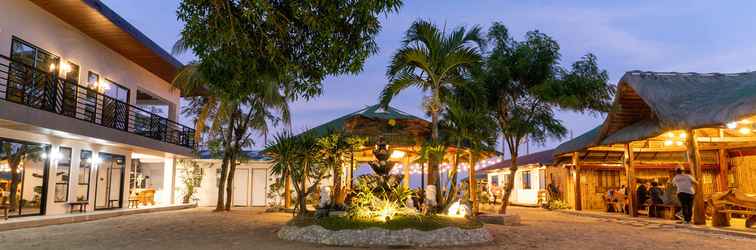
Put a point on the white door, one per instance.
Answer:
(241, 187)
(259, 182)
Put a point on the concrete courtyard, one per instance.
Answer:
(246, 228)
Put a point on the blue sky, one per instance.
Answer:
(682, 36)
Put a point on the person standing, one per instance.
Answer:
(685, 193)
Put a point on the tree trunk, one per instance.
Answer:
(13, 185)
(510, 184)
(302, 194)
(336, 198)
(452, 195)
(222, 182)
(473, 185)
(433, 174)
(287, 191)
(230, 182)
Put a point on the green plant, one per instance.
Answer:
(191, 177)
(557, 204)
(275, 192)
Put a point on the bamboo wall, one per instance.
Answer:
(743, 170)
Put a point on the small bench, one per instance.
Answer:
(81, 204)
(134, 203)
(665, 211)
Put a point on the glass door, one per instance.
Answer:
(110, 178)
(23, 177)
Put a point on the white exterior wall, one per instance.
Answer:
(29, 22)
(520, 195)
(208, 190)
(76, 146)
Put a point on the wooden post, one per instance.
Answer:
(724, 166)
(629, 155)
(351, 171)
(694, 159)
(406, 170)
(578, 196)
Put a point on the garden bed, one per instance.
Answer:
(420, 231)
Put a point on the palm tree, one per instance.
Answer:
(469, 124)
(525, 83)
(297, 157)
(334, 147)
(434, 61)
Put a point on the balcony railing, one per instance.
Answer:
(26, 85)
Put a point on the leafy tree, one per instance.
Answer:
(434, 61)
(525, 83)
(255, 56)
(242, 43)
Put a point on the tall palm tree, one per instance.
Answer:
(433, 61)
(469, 124)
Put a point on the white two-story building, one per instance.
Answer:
(87, 111)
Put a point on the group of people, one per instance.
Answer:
(678, 192)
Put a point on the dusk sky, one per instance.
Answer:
(682, 36)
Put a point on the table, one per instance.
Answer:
(81, 204)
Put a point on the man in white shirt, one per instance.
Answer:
(685, 193)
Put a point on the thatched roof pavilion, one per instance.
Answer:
(661, 121)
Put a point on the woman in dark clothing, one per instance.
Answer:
(656, 194)
(641, 194)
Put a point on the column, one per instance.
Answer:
(169, 177)
(406, 171)
(578, 196)
(724, 170)
(628, 156)
(694, 159)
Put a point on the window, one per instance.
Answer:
(525, 179)
(62, 175)
(494, 180)
(85, 170)
(33, 56)
(117, 91)
(607, 179)
(72, 74)
(23, 181)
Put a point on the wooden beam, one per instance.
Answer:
(631, 181)
(694, 158)
(724, 170)
(406, 171)
(578, 196)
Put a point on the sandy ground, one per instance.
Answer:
(252, 229)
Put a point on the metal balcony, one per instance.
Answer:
(29, 86)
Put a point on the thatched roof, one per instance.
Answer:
(373, 121)
(649, 103)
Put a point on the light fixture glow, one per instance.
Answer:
(65, 68)
(732, 125)
(397, 154)
(744, 131)
(668, 143)
(683, 135)
(678, 143)
(457, 210)
(670, 134)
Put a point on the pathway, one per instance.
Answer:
(253, 229)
